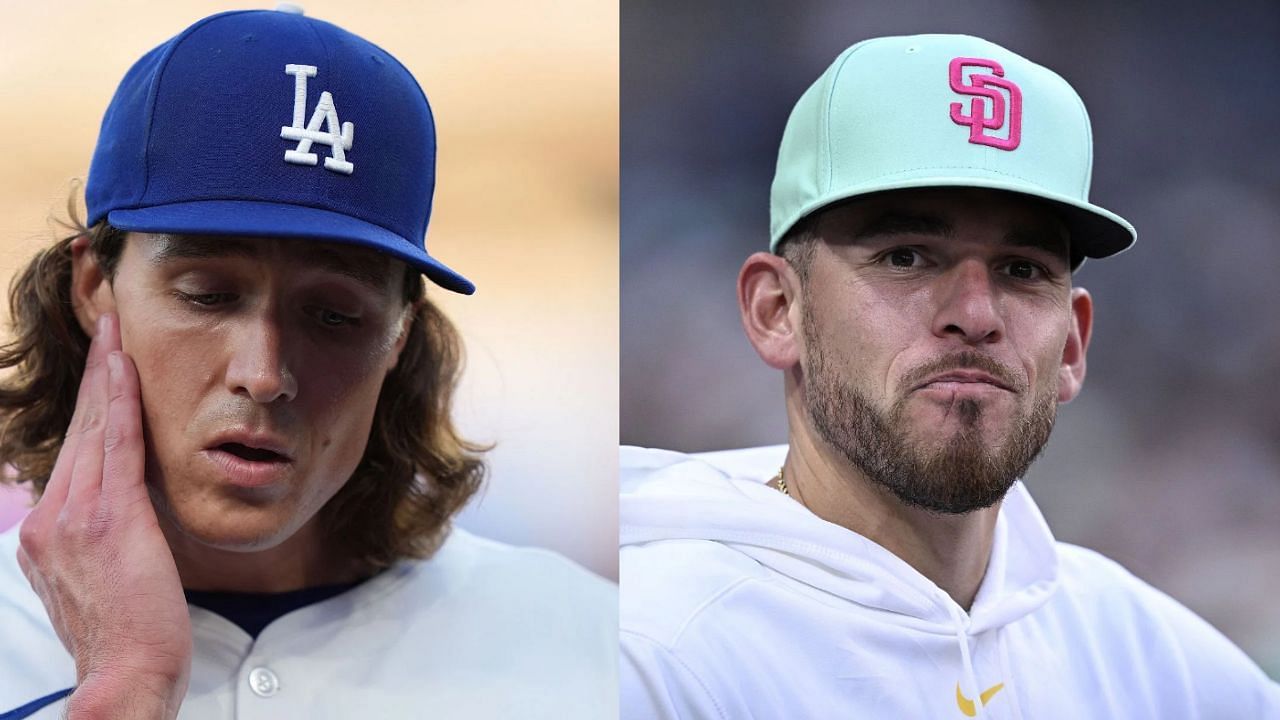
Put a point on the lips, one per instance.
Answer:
(253, 447)
(254, 454)
(964, 377)
(250, 460)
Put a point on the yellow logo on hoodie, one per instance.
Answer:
(966, 705)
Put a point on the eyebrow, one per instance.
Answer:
(369, 271)
(1054, 243)
(897, 222)
(904, 223)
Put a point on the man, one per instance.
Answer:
(245, 508)
(929, 208)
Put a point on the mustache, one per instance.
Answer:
(966, 360)
(245, 413)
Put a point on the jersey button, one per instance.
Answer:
(263, 682)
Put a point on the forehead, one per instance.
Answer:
(362, 264)
(1010, 217)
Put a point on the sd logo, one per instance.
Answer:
(983, 88)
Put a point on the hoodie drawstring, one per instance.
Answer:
(962, 637)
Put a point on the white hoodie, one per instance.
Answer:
(738, 603)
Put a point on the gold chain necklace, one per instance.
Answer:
(779, 482)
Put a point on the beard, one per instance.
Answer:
(963, 474)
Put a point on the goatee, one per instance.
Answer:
(963, 474)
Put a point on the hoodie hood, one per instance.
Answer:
(722, 497)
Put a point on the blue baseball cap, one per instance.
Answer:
(270, 123)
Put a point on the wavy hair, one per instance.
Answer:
(416, 473)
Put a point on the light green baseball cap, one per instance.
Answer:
(941, 111)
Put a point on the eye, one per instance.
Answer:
(903, 257)
(207, 299)
(1024, 270)
(332, 318)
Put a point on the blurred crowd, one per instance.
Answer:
(1170, 460)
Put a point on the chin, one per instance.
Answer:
(226, 524)
(938, 425)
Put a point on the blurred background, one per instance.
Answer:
(1169, 462)
(525, 97)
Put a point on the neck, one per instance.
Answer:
(950, 550)
(301, 561)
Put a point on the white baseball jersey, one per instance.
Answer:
(480, 630)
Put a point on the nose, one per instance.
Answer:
(968, 308)
(258, 366)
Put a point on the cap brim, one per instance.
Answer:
(1095, 232)
(265, 219)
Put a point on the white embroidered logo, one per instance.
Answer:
(325, 113)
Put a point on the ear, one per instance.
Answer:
(1071, 371)
(91, 293)
(769, 299)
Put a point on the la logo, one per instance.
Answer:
(326, 114)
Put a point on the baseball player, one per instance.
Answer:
(231, 394)
(929, 209)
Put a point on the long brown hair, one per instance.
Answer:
(416, 473)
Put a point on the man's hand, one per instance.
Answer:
(93, 551)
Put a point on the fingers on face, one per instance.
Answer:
(104, 433)
(55, 492)
(124, 459)
(77, 473)
(89, 429)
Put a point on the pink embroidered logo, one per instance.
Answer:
(981, 85)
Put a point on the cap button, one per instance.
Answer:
(292, 9)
